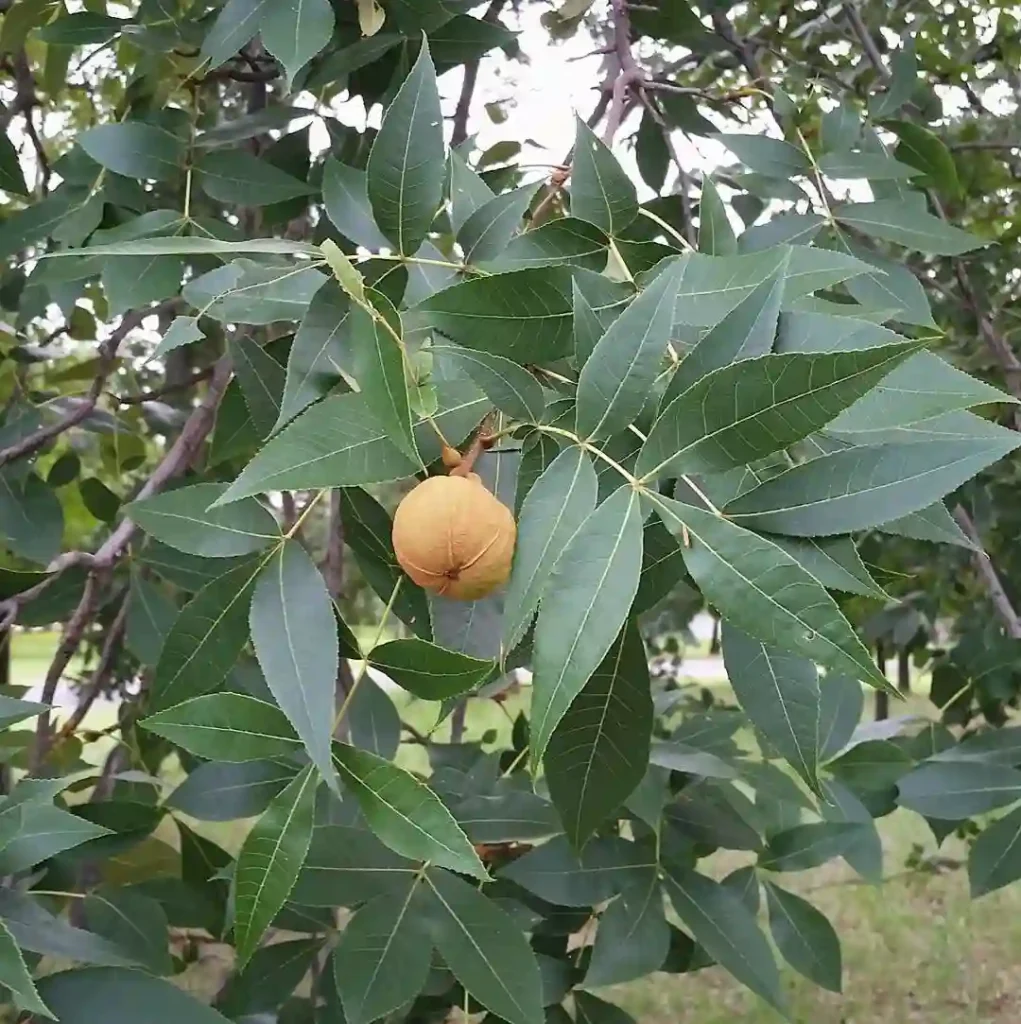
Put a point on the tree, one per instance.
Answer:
(230, 352)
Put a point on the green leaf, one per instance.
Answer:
(633, 937)
(346, 197)
(468, 192)
(723, 926)
(237, 177)
(893, 221)
(805, 938)
(294, 31)
(13, 711)
(904, 76)
(565, 241)
(556, 506)
(382, 960)
(14, 975)
(874, 166)
(601, 191)
(510, 817)
(272, 975)
(510, 388)
(336, 443)
(779, 693)
(615, 381)
(715, 234)
(235, 25)
(926, 152)
(581, 613)
(254, 293)
(45, 831)
(373, 721)
(197, 245)
(134, 149)
(206, 639)
(752, 408)
(951, 790)
(295, 638)
(151, 615)
(745, 332)
(132, 921)
(225, 792)
(771, 157)
(784, 228)
(485, 234)
(31, 517)
(427, 671)
(404, 813)
(995, 857)
(12, 178)
(762, 590)
(557, 873)
(591, 1010)
(598, 753)
(379, 367)
(894, 287)
(270, 859)
(183, 331)
(868, 485)
(865, 850)
(523, 315)
(484, 949)
(183, 519)
(262, 381)
(405, 171)
(226, 727)
(841, 711)
(933, 523)
(808, 846)
(319, 352)
(85, 996)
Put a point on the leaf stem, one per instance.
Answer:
(305, 512)
(599, 453)
(672, 231)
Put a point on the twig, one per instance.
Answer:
(167, 389)
(101, 674)
(82, 410)
(868, 44)
(994, 586)
(176, 461)
(471, 75)
(628, 74)
(1004, 146)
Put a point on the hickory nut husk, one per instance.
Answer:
(453, 537)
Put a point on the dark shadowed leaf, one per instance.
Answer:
(428, 671)
(590, 1009)
(373, 721)
(405, 172)
(995, 857)
(183, 519)
(582, 611)
(15, 976)
(805, 939)
(599, 751)
(484, 949)
(270, 859)
(132, 921)
(262, 381)
(272, 975)
(235, 176)
(224, 792)
(808, 846)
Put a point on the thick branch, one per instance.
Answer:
(994, 586)
(471, 76)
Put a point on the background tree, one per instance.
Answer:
(259, 275)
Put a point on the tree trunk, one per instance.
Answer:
(903, 672)
(882, 697)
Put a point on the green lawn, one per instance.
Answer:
(917, 950)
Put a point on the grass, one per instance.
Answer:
(916, 950)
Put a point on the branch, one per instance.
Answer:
(167, 389)
(175, 462)
(471, 76)
(107, 359)
(868, 44)
(101, 675)
(994, 587)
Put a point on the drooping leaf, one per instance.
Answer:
(633, 936)
(374, 724)
(554, 509)
(715, 234)
(183, 519)
(346, 197)
(484, 949)
(485, 233)
(599, 751)
(583, 609)
(511, 388)
(722, 925)
(763, 591)
(615, 381)
(262, 381)
(270, 859)
(780, 694)
(15, 977)
(995, 857)
(404, 813)
(601, 191)
(226, 727)
(754, 407)
(405, 172)
(183, 331)
(382, 959)
(428, 671)
(807, 846)
(590, 1009)
(295, 637)
(805, 938)
(294, 31)
(43, 832)
(206, 639)
(132, 921)
(834, 562)
(269, 979)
